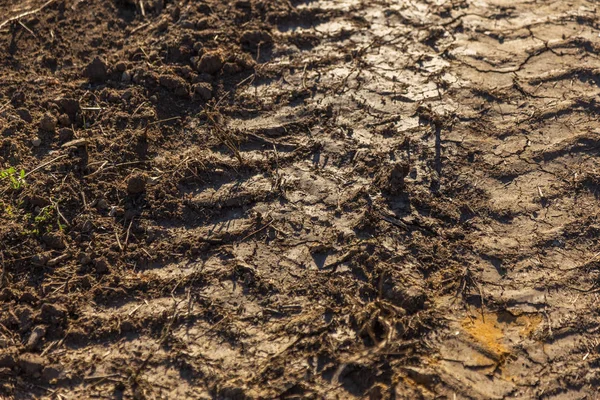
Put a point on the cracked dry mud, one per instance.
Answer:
(299, 199)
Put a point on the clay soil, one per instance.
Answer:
(253, 199)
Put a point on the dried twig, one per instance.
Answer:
(27, 13)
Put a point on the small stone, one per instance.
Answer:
(31, 364)
(127, 95)
(97, 70)
(187, 24)
(102, 204)
(203, 90)
(210, 63)
(126, 77)
(36, 142)
(24, 114)
(136, 184)
(36, 336)
(48, 122)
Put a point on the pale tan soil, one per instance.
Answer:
(361, 199)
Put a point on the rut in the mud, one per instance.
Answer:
(305, 199)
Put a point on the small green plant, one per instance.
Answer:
(16, 179)
(44, 221)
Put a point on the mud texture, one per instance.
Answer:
(299, 199)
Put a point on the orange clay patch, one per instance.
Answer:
(487, 332)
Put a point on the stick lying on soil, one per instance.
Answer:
(26, 13)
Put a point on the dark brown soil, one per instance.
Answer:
(307, 199)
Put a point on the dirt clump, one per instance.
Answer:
(308, 199)
(48, 122)
(136, 183)
(96, 70)
(210, 63)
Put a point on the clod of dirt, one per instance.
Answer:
(203, 90)
(102, 204)
(37, 201)
(35, 338)
(26, 317)
(252, 39)
(31, 364)
(121, 66)
(392, 180)
(7, 360)
(64, 120)
(65, 134)
(69, 106)
(210, 63)
(97, 70)
(175, 84)
(54, 240)
(48, 122)
(126, 77)
(6, 294)
(231, 68)
(412, 299)
(17, 98)
(24, 114)
(52, 372)
(101, 266)
(136, 184)
(52, 314)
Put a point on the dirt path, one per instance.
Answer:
(320, 199)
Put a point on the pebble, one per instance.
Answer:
(126, 77)
(36, 336)
(36, 142)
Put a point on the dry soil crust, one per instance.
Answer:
(299, 199)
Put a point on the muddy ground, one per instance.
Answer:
(299, 199)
